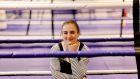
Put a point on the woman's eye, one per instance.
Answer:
(65, 32)
(72, 32)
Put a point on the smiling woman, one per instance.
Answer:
(70, 34)
(69, 68)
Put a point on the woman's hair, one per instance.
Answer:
(72, 22)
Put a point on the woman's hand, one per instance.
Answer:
(72, 47)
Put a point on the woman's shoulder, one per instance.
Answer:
(55, 47)
(85, 47)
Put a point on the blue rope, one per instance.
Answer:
(91, 53)
(58, 40)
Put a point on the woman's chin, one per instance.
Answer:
(69, 43)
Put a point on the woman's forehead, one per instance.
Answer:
(69, 27)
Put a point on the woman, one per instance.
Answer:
(69, 68)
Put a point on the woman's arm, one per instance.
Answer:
(55, 69)
(55, 66)
(79, 68)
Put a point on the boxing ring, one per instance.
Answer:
(40, 54)
(32, 49)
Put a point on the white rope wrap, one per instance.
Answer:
(48, 73)
(65, 6)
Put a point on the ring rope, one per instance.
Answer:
(90, 53)
(48, 73)
(92, 19)
(65, 6)
(30, 40)
(29, 46)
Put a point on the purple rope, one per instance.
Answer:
(91, 53)
(49, 46)
(58, 40)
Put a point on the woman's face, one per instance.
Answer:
(70, 33)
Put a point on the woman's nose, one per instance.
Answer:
(68, 35)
